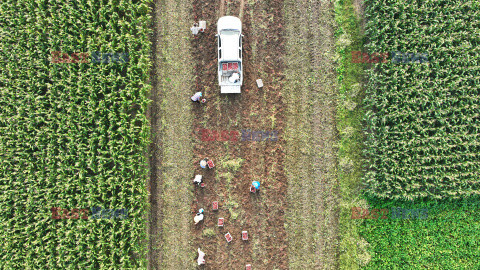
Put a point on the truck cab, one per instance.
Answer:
(229, 47)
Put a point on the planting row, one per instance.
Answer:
(396, 213)
(396, 57)
(247, 135)
(97, 213)
(96, 57)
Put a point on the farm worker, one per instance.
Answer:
(198, 179)
(256, 184)
(199, 216)
(194, 29)
(196, 97)
(201, 257)
(203, 163)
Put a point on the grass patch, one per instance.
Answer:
(209, 233)
(232, 206)
(353, 251)
(233, 165)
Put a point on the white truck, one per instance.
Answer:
(229, 41)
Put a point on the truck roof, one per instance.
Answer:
(229, 22)
(230, 46)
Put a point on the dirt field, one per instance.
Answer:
(297, 101)
(261, 215)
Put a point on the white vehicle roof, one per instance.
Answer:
(229, 22)
(230, 46)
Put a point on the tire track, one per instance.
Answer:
(222, 10)
(242, 6)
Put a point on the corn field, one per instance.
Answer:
(423, 118)
(73, 135)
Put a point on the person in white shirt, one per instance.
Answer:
(199, 216)
(195, 29)
(201, 257)
(198, 179)
(196, 97)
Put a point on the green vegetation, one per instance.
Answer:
(233, 165)
(349, 125)
(227, 175)
(423, 118)
(310, 92)
(421, 133)
(447, 239)
(209, 233)
(421, 125)
(73, 135)
(232, 205)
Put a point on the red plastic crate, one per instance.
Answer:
(228, 236)
(220, 222)
(248, 267)
(215, 205)
(235, 66)
(244, 235)
(202, 184)
(224, 67)
(210, 164)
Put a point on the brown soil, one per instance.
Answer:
(262, 215)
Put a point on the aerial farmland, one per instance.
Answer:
(239, 134)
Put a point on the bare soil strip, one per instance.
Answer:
(262, 215)
(170, 164)
(155, 158)
(311, 154)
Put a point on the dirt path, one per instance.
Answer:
(261, 215)
(310, 87)
(154, 222)
(222, 9)
(170, 246)
(242, 7)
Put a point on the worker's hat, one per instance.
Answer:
(256, 184)
(200, 210)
